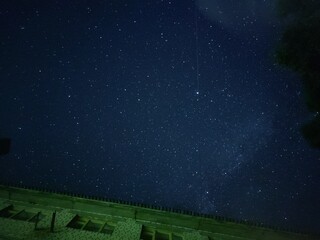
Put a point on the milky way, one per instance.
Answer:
(100, 98)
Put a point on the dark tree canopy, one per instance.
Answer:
(5, 145)
(299, 50)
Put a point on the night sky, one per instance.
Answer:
(170, 103)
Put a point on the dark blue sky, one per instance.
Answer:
(100, 98)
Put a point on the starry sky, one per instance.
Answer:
(171, 103)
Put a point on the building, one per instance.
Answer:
(35, 214)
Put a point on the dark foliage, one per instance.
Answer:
(299, 50)
(5, 145)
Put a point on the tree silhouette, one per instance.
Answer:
(5, 145)
(299, 50)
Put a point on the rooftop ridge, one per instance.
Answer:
(159, 208)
